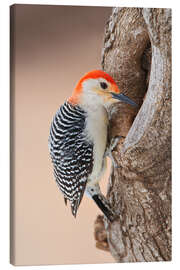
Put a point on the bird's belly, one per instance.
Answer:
(98, 157)
(98, 131)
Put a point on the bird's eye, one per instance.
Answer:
(103, 85)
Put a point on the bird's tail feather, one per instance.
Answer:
(105, 207)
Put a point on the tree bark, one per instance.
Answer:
(137, 54)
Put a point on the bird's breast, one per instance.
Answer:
(96, 131)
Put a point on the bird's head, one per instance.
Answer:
(97, 87)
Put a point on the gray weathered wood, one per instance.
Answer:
(140, 189)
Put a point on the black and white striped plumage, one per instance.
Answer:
(78, 139)
(71, 153)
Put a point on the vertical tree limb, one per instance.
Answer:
(140, 189)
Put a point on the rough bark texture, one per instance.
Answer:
(140, 189)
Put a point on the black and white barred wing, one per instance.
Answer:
(71, 154)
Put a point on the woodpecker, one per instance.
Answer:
(78, 139)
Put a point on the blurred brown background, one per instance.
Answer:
(53, 47)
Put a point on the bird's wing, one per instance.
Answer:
(71, 153)
(72, 173)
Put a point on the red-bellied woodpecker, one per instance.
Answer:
(78, 139)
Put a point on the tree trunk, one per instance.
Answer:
(137, 54)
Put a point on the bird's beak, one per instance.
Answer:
(123, 98)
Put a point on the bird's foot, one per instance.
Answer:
(114, 141)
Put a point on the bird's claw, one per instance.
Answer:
(110, 149)
(114, 142)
